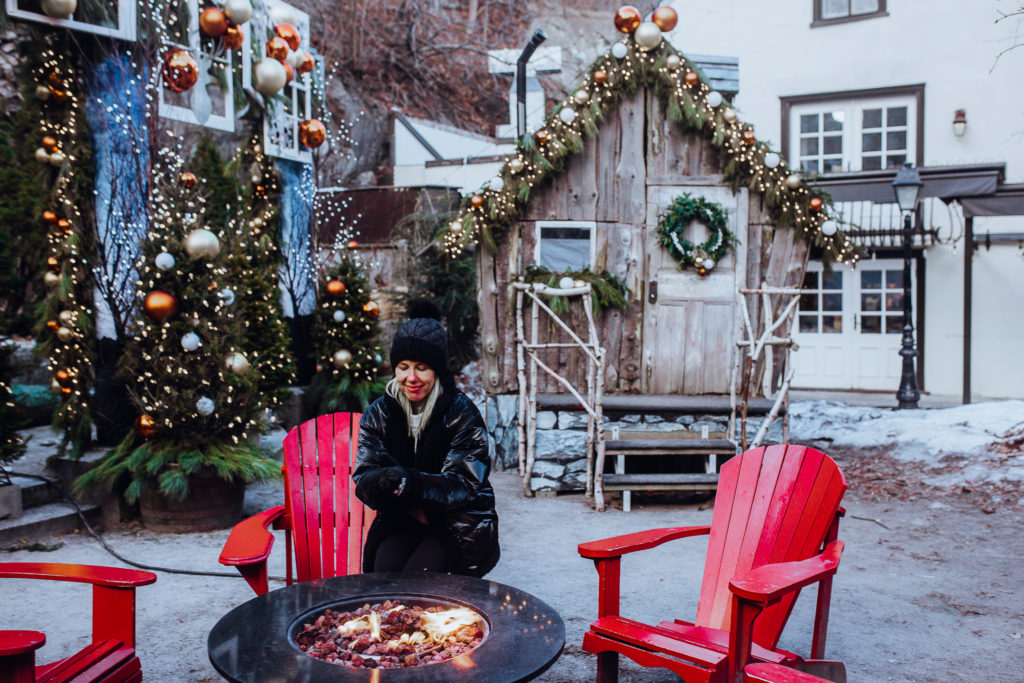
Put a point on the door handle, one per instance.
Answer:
(652, 291)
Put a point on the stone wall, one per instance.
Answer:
(560, 463)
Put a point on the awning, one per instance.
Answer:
(1008, 200)
(947, 183)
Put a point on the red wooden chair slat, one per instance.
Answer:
(773, 532)
(110, 656)
(324, 521)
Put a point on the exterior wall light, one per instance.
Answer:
(960, 122)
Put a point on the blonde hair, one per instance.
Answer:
(426, 407)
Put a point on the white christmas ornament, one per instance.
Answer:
(455, 228)
(771, 160)
(647, 36)
(281, 13)
(42, 92)
(619, 50)
(339, 316)
(714, 98)
(568, 115)
(238, 11)
(227, 296)
(567, 282)
(829, 228)
(673, 61)
(729, 115)
(59, 9)
(202, 243)
(342, 358)
(42, 156)
(56, 159)
(581, 96)
(190, 341)
(496, 183)
(204, 406)
(295, 58)
(269, 77)
(164, 261)
(709, 264)
(237, 363)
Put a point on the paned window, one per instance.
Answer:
(881, 301)
(112, 18)
(563, 247)
(821, 304)
(856, 134)
(826, 11)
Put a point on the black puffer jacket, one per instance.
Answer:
(450, 469)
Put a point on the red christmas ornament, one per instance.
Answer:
(145, 426)
(600, 77)
(181, 71)
(277, 48)
(816, 204)
(289, 73)
(50, 143)
(336, 289)
(665, 18)
(748, 137)
(63, 378)
(290, 34)
(691, 78)
(49, 216)
(543, 137)
(213, 22)
(476, 201)
(627, 19)
(188, 180)
(64, 223)
(53, 263)
(371, 309)
(52, 325)
(232, 37)
(312, 133)
(159, 306)
(352, 244)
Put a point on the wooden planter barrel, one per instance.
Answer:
(212, 503)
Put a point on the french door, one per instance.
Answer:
(849, 325)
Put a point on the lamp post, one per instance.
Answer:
(907, 187)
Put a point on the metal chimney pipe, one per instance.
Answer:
(535, 40)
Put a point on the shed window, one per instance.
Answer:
(831, 11)
(562, 248)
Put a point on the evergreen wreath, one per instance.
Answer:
(684, 210)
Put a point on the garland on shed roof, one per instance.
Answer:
(689, 101)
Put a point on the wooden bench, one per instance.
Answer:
(707, 445)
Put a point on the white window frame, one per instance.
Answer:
(852, 109)
(125, 29)
(588, 225)
(281, 124)
(225, 121)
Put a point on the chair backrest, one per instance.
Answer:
(328, 522)
(774, 504)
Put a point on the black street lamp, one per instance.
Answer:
(907, 187)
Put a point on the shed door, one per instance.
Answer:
(690, 322)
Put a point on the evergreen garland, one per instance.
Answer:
(607, 291)
(487, 214)
(684, 210)
(345, 323)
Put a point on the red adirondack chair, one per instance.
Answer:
(773, 531)
(321, 514)
(109, 657)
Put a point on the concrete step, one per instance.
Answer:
(44, 521)
(659, 482)
(34, 492)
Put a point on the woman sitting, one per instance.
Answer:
(423, 465)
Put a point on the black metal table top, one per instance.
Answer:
(255, 641)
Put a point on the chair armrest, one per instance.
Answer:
(250, 540)
(113, 577)
(617, 546)
(769, 582)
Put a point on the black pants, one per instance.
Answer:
(411, 550)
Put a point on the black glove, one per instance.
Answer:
(392, 481)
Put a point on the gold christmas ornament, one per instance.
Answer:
(748, 137)
(63, 378)
(815, 204)
(51, 279)
(729, 115)
(342, 358)
(42, 156)
(145, 426)
(312, 133)
(336, 289)
(580, 96)
(600, 77)
(57, 159)
(49, 143)
(202, 243)
(673, 61)
(65, 334)
(66, 317)
(476, 201)
(627, 19)
(232, 37)
(42, 93)
(289, 34)
(188, 180)
(371, 309)
(516, 165)
(289, 72)
(277, 48)
(691, 77)
(53, 264)
(49, 216)
(181, 71)
(793, 181)
(665, 18)
(352, 245)
(59, 9)
(455, 227)
(52, 325)
(213, 22)
(159, 306)
(307, 64)
(66, 391)
(543, 137)
(237, 363)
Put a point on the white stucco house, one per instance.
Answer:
(852, 89)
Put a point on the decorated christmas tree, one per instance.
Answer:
(196, 390)
(346, 341)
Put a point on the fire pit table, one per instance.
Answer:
(256, 641)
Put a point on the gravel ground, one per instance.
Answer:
(928, 589)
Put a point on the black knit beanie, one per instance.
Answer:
(423, 340)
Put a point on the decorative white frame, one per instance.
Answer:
(280, 125)
(126, 20)
(224, 121)
(589, 225)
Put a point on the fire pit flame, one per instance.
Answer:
(440, 625)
